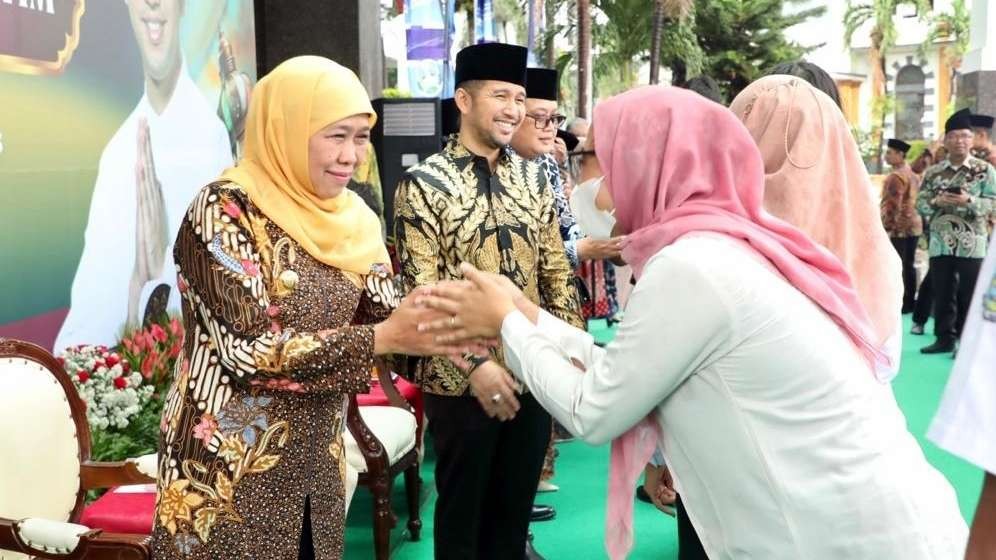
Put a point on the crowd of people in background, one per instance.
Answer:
(749, 377)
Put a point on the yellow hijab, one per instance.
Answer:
(297, 99)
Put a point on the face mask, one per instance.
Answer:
(593, 221)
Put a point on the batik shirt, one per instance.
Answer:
(959, 231)
(253, 422)
(569, 230)
(985, 154)
(451, 208)
(899, 215)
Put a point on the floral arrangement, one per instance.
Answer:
(113, 393)
(154, 350)
(124, 388)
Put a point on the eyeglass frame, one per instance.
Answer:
(576, 156)
(556, 119)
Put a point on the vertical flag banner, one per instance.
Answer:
(425, 30)
(484, 22)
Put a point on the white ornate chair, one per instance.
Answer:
(381, 443)
(45, 468)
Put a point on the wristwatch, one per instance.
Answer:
(475, 362)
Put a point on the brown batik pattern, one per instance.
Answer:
(253, 421)
(451, 209)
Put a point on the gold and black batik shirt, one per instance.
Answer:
(451, 208)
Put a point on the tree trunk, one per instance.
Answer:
(877, 61)
(550, 57)
(656, 34)
(584, 57)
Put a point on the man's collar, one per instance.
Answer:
(463, 157)
(967, 163)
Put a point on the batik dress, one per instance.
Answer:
(253, 423)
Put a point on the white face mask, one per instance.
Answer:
(594, 222)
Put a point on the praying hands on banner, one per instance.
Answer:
(151, 235)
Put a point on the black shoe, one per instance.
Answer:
(917, 329)
(542, 513)
(560, 434)
(531, 553)
(939, 347)
(641, 494)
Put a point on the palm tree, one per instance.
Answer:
(883, 37)
(584, 56)
(955, 27)
(675, 10)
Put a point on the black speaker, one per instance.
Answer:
(407, 132)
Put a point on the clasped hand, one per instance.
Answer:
(475, 308)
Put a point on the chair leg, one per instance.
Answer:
(413, 487)
(383, 517)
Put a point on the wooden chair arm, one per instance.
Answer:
(373, 451)
(93, 545)
(387, 385)
(96, 474)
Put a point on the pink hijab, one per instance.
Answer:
(815, 180)
(676, 163)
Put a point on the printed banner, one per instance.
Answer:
(484, 22)
(124, 110)
(425, 31)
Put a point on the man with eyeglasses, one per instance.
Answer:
(479, 202)
(957, 196)
(538, 143)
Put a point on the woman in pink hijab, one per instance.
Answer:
(815, 180)
(745, 354)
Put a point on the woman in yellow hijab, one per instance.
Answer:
(287, 297)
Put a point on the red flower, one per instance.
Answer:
(83, 376)
(99, 364)
(112, 360)
(175, 350)
(125, 366)
(129, 345)
(120, 382)
(176, 327)
(158, 333)
(149, 363)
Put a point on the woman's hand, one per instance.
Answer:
(474, 308)
(595, 250)
(400, 333)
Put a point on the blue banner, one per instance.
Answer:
(428, 47)
(484, 21)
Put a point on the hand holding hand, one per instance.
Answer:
(475, 308)
(399, 333)
(600, 249)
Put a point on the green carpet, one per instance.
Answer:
(582, 470)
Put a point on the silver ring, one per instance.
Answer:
(496, 398)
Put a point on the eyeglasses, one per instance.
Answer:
(543, 122)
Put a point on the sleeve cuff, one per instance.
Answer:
(515, 329)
